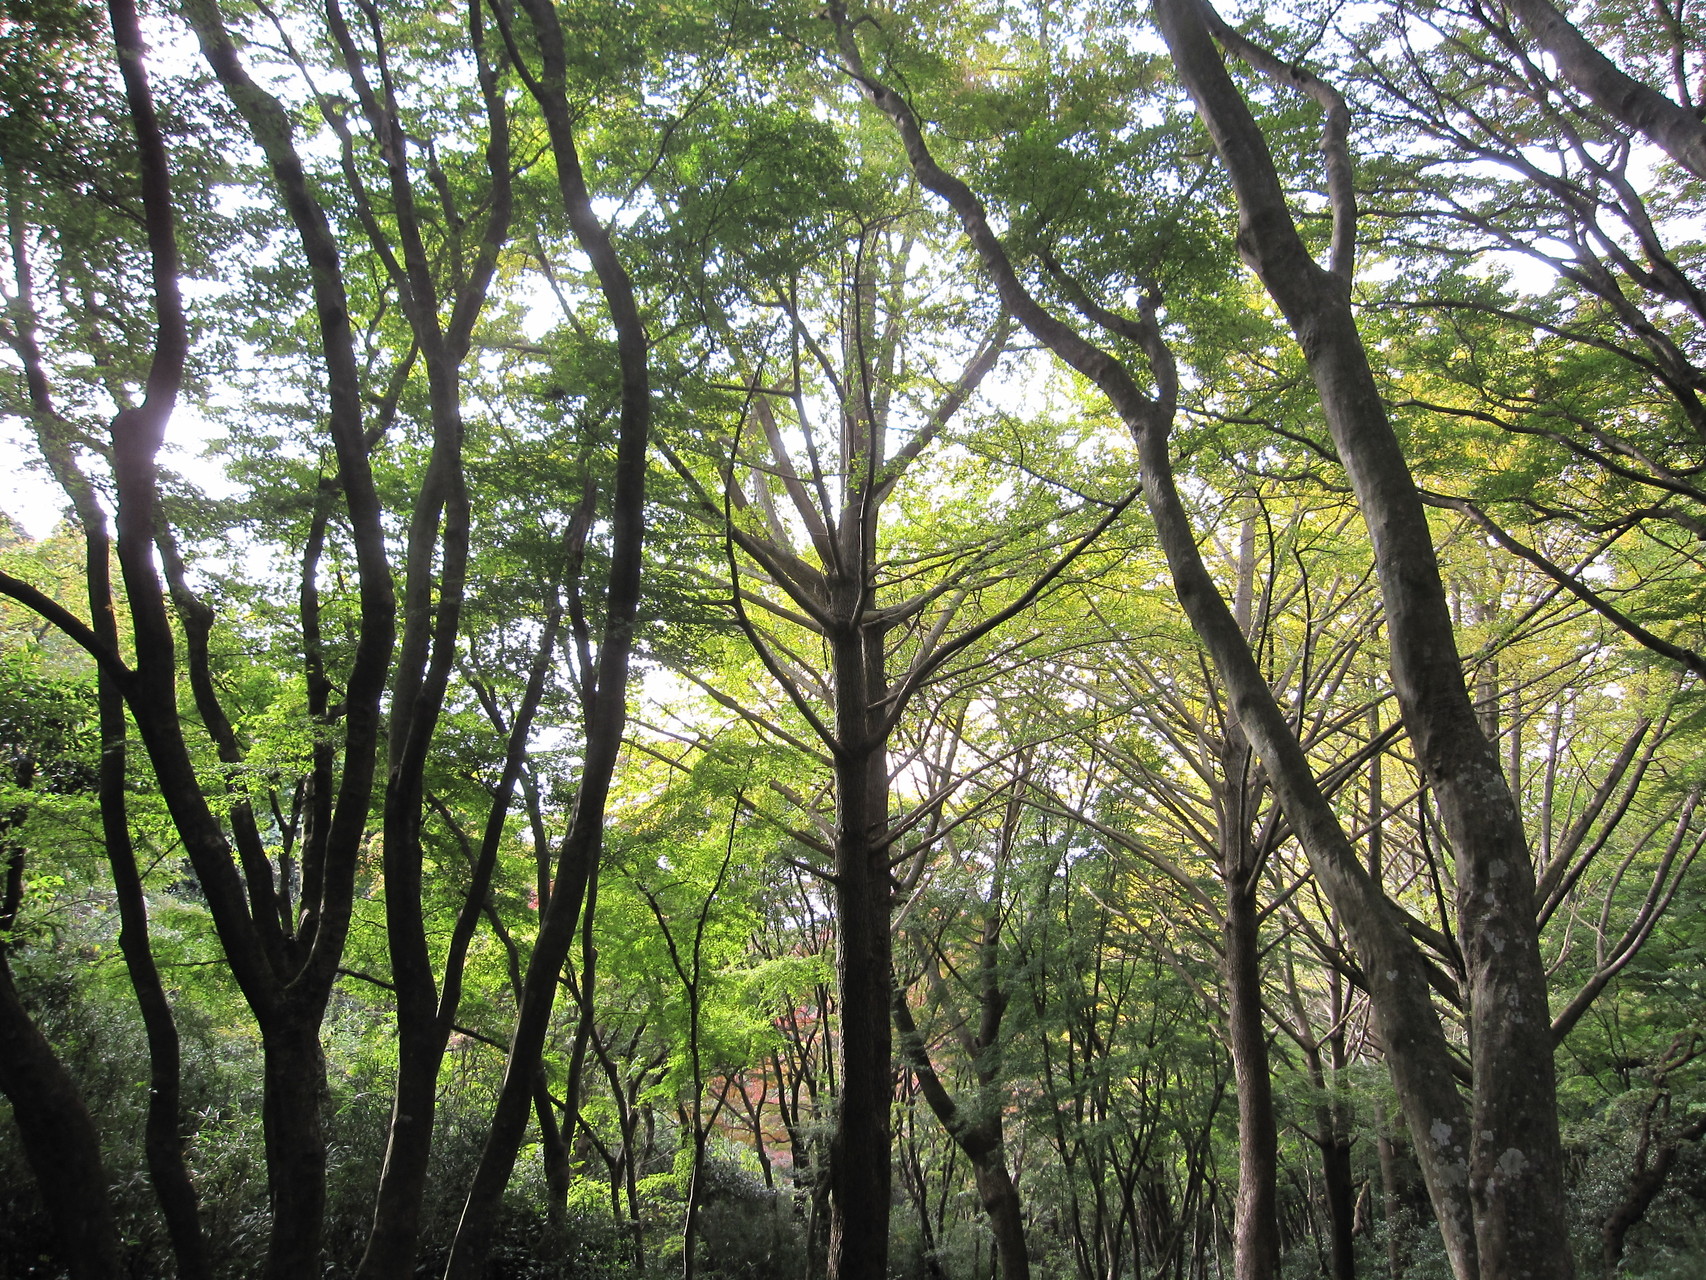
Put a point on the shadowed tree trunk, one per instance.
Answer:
(283, 965)
(163, 1131)
(1656, 1150)
(283, 956)
(859, 1165)
(1255, 1220)
(58, 1134)
(1241, 854)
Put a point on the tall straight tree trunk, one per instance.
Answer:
(1389, 1201)
(1338, 1185)
(1333, 1122)
(1255, 1221)
(859, 1165)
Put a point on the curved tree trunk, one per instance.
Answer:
(59, 1140)
(1405, 1018)
(981, 1138)
(1515, 1156)
(163, 1136)
(1654, 1158)
(606, 712)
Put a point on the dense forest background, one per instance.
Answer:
(957, 640)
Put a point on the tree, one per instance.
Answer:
(969, 833)
(40, 722)
(888, 620)
(1485, 825)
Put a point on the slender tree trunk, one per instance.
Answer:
(553, 1152)
(695, 1194)
(435, 563)
(163, 1132)
(163, 1138)
(982, 1139)
(1333, 1122)
(584, 992)
(606, 713)
(1653, 1163)
(1389, 1200)
(1255, 1220)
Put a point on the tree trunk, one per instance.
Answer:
(1000, 1200)
(1516, 1160)
(1653, 1162)
(395, 1236)
(163, 1131)
(1255, 1221)
(59, 1139)
(163, 1138)
(1339, 1184)
(553, 1152)
(859, 1164)
(606, 712)
(1405, 1018)
(295, 1145)
(1630, 102)
(982, 1140)
(1389, 1190)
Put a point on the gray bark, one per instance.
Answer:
(1627, 100)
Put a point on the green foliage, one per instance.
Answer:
(1056, 788)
